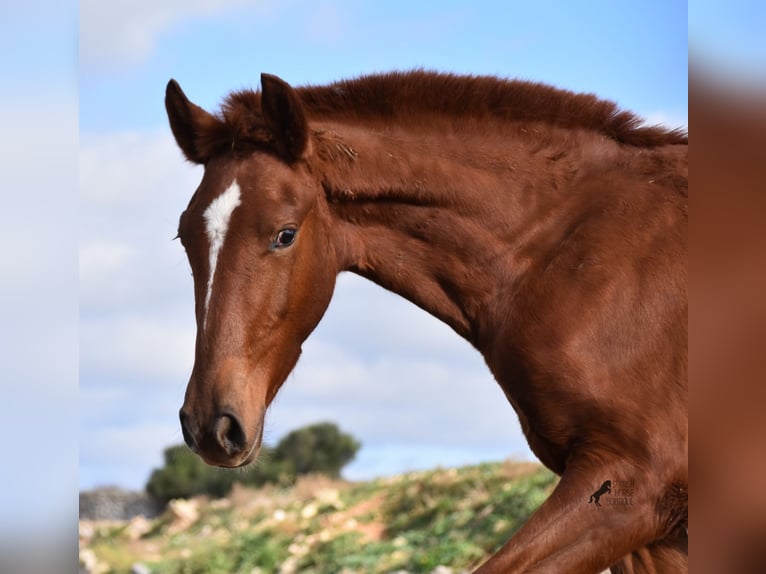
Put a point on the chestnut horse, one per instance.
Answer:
(547, 228)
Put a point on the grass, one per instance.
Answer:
(414, 522)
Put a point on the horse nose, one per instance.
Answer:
(224, 436)
(229, 434)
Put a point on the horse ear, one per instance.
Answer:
(284, 117)
(187, 122)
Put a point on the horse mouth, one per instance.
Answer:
(250, 457)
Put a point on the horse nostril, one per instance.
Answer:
(186, 431)
(229, 434)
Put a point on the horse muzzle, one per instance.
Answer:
(221, 440)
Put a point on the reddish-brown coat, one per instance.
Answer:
(547, 228)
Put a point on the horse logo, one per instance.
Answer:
(603, 489)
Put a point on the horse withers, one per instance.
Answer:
(546, 228)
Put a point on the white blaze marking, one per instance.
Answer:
(217, 216)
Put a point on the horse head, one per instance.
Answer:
(256, 234)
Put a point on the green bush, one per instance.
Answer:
(319, 448)
(185, 475)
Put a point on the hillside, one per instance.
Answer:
(438, 521)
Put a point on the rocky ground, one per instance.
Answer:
(111, 503)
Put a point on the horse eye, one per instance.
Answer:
(284, 238)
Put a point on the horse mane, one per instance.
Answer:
(419, 97)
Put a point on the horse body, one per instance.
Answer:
(554, 242)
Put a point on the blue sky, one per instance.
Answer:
(635, 55)
(136, 326)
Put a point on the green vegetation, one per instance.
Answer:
(413, 522)
(318, 448)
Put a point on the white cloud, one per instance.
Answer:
(133, 169)
(103, 258)
(103, 269)
(133, 187)
(396, 396)
(137, 346)
(136, 304)
(125, 455)
(126, 31)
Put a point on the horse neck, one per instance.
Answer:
(444, 220)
